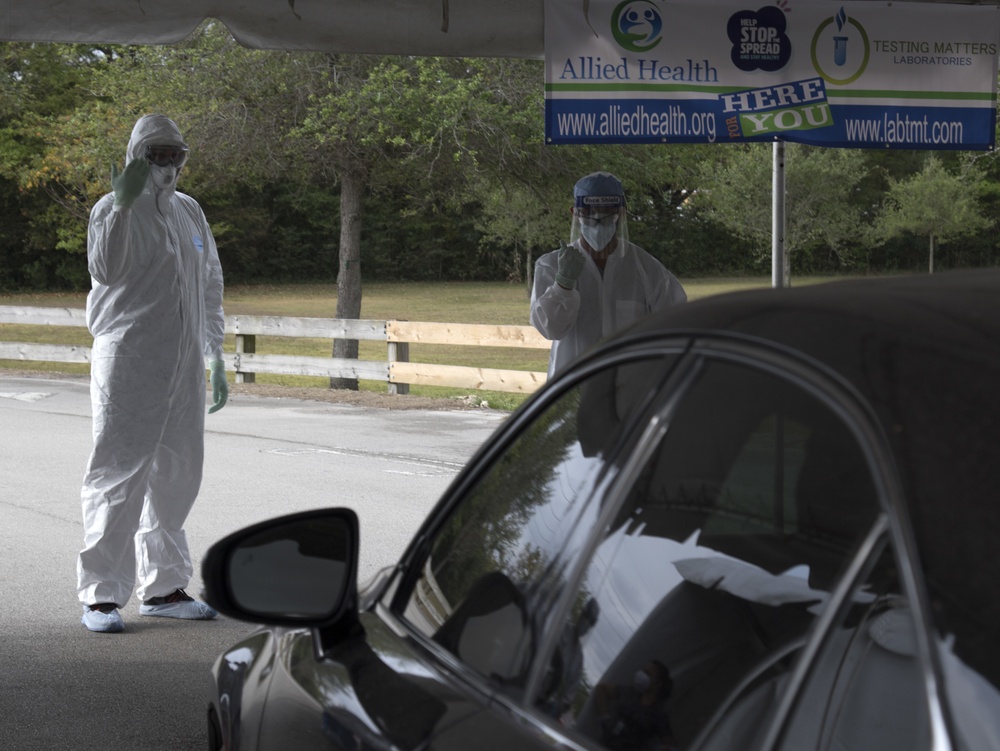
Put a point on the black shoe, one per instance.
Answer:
(178, 595)
(178, 604)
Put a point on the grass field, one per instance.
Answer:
(453, 302)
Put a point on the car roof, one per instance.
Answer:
(947, 311)
(924, 352)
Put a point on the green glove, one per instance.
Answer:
(570, 267)
(220, 387)
(129, 184)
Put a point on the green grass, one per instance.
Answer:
(453, 302)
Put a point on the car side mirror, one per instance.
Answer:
(298, 570)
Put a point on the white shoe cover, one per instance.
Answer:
(109, 623)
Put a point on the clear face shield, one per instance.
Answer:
(599, 221)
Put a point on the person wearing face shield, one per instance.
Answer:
(600, 282)
(155, 312)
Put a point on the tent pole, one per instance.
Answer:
(779, 277)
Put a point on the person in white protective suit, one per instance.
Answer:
(155, 312)
(600, 282)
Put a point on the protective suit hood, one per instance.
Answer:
(153, 130)
(156, 130)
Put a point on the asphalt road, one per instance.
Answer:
(63, 687)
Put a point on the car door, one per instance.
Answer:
(444, 653)
(660, 554)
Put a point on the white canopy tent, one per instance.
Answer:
(455, 28)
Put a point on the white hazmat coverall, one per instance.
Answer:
(633, 285)
(155, 311)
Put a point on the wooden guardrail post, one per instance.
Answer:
(245, 343)
(398, 352)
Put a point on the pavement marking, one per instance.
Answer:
(24, 396)
(428, 467)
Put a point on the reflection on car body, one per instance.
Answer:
(763, 520)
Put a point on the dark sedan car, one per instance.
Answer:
(766, 520)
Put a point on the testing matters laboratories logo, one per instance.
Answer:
(840, 49)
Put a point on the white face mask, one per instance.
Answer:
(164, 177)
(599, 235)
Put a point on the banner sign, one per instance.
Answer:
(851, 74)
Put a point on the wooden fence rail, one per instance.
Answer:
(396, 370)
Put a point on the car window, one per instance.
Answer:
(714, 566)
(865, 690)
(499, 558)
(953, 502)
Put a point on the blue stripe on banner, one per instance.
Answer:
(579, 121)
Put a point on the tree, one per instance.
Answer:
(40, 84)
(373, 119)
(820, 203)
(519, 215)
(933, 203)
(521, 184)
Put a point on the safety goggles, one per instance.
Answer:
(166, 156)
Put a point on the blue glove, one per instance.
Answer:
(129, 184)
(220, 387)
(570, 267)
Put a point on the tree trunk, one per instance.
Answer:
(352, 185)
(930, 267)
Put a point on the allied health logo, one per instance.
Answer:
(840, 49)
(637, 25)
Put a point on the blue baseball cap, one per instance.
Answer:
(598, 190)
